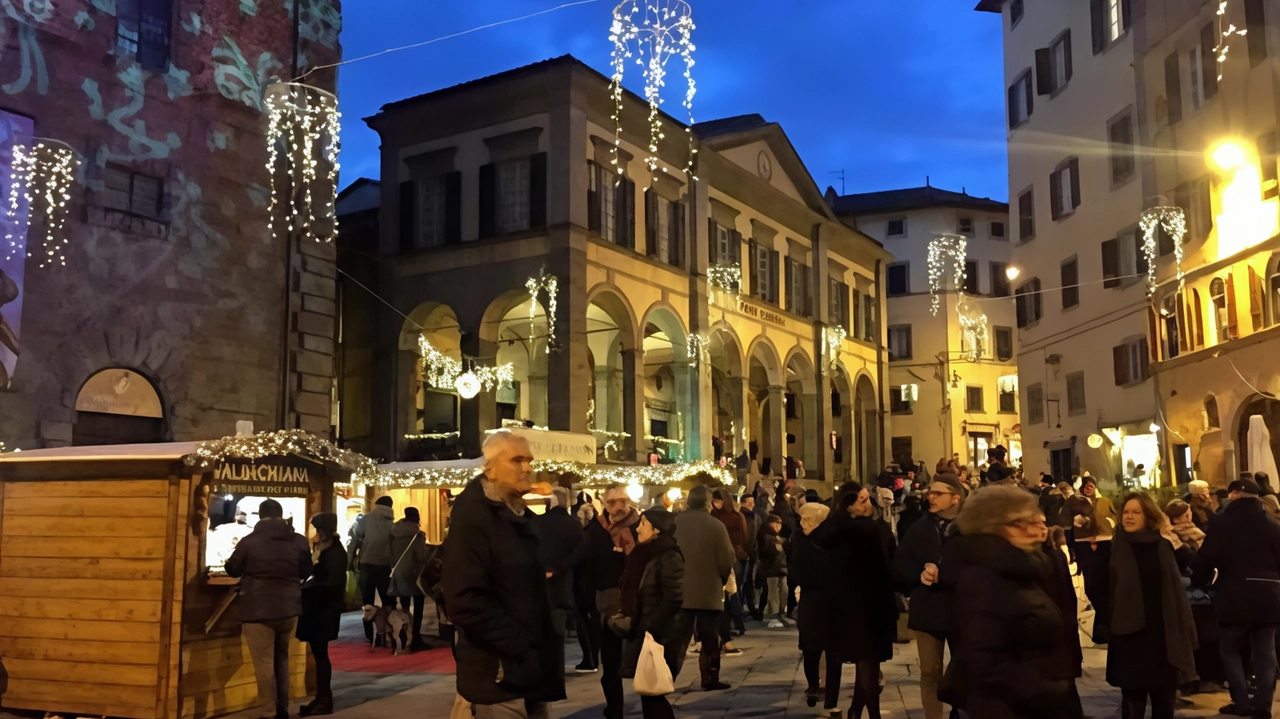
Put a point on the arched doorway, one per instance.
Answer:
(727, 422)
(866, 421)
(667, 385)
(428, 410)
(766, 413)
(801, 399)
(118, 406)
(611, 343)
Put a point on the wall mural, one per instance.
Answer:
(32, 58)
(236, 79)
(14, 129)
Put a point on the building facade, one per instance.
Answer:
(176, 314)
(948, 393)
(694, 314)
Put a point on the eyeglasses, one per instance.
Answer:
(1025, 524)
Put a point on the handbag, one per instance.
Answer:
(395, 589)
(653, 676)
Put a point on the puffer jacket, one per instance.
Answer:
(371, 543)
(661, 594)
(408, 558)
(271, 563)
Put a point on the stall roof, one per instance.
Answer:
(475, 463)
(162, 451)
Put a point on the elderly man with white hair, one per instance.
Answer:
(509, 655)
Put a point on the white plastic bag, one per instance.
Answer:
(653, 676)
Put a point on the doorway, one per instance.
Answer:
(1062, 463)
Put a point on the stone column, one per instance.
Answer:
(479, 413)
(742, 395)
(633, 400)
(775, 445)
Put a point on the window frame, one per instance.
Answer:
(1073, 411)
(898, 405)
(522, 219)
(1070, 292)
(1016, 7)
(131, 194)
(1000, 404)
(960, 227)
(888, 227)
(901, 330)
(906, 279)
(996, 331)
(1004, 230)
(972, 280)
(1020, 95)
(1000, 280)
(968, 399)
(1064, 187)
(1030, 293)
(1034, 404)
(1122, 155)
(1030, 195)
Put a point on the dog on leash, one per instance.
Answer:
(389, 626)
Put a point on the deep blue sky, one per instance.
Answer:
(888, 90)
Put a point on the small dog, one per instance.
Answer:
(389, 626)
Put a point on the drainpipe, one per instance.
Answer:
(880, 389)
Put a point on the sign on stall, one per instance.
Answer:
(559, 446)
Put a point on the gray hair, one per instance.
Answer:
(699, 498)
(496, 442)
(989, 509)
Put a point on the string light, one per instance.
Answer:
(942, 250)
(551, 286)
(442, 371)
(589, 476)
(467, 385)
(306, 122)
(697, 349)
(433, 436)
(653, 31)
(277, 444)
(725, 277)
(834, 337)
(973, 328)
(1173, 220)
(1225, 30)
(612, 440)
(40, 180)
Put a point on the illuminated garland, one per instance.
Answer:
(973, 328)
(277, 444)
(306, 121)
(612, 440)
(725, 277)
(591, 476)
(1174, 221)
(432, 435)
(40, 177)
(697, 349)
(659, 30)
(1225, 30)
(442, 371)
(551, 286)
(834, 337)
(942, 250)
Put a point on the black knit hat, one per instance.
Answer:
(326, 522)
(661, 520)
(384, 500)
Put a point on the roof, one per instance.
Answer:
(989, 5)
(912, 198)
(531, 69)
(165, 450)
(728, 126)
(362, 195)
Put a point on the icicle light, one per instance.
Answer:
(549, 284)
(834, 336)
(40, 180)
(698, 349)
(442, 371)
(946, 250)
(304, 122)
(1173, 220)
(1225, 30)
(973, 328)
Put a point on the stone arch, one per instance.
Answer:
(670, 383)
(802, 410)
(762, 350)
(615, 305)
(118, 405)
(842, 424)
(611, 341)
(728, 388)
(421, 408)
(1254, 405)
(507, 334)
(866, 422)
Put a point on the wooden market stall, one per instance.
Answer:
(108, 603)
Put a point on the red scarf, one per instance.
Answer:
(621, 531)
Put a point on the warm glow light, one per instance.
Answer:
(1228, 155)
(674, 494)
(467, 384)
(1154, 427)
(1011, 272)
(635, 492)
(1245, 219)
(1095, 441)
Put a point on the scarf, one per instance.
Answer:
(1128, 615)
(1189, 534)
(632, 574)
(319, 548)
(621, 531)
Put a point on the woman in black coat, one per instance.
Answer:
(322, 599)
(858, 611)
(1008, 645)
(1153, 635)
(808, 569)
(652, 592)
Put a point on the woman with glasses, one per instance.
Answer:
(1008, 652)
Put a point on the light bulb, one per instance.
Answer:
(467, 384)
(674, 494)
(1011, 272)
(635, 492)
(1228, 155)
(1154, 427)
(1095, 441)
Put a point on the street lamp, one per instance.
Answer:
(1011, 272)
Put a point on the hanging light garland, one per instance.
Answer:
(1225, 30)
(652, 31)
(834, 337)
(40, 180)
(444, 372)
(725, 277)
(277, 444)
(1173, 220)
(946, 250)
(697, 349)
(433, 436)
(305, 122)
(590, 476)
(612, 440)
(550, 285)
(973, 328)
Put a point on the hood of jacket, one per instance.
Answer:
(405, 528)
(382, 511)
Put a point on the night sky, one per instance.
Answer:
(888, 90)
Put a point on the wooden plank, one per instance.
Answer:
(147, 589)
(177, 499)
(91, 609)
(14, 627)
(78, 568)
(125, 488)
(141, 699)
(232, 699)
(67, 508)
(136, 675)
(85, 547)
(219, 680)
(82, 708)
(22, 526)
(222, 653)
(145, 653)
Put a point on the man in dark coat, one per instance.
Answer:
(271, 563)
(1243, 544)
(322, 599)
(708, 560)
(746, 583)
(558, 538)
(510, 658)
(915, 568)
(371, 555)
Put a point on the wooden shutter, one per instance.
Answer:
(1209, 60)
(594, 205)
(1255, 299)
(791, 280)
(1074, 166)
(1255, 23)
(713, 249)
(1144, 360)
(651, 223)
(677, 234)
(1120, 363)
(1126, 13)
(806, 289)
(1055, 194)
(849, 322)
(1197, 310)
(1233, 325)
(753, 267)
(1066, 54)
(1111, 263)
(453, 208)
(1020, 305)
(1098, 26)
(1173, 87)
(624, 212)
(773, 276)
(408, 215)
(488, 200)
(538, 190)
(1044, 71)
(1012, 100)
(1141, 263)
(154, 18)
(1153, 328)
(1267, 156)
(1036, 301)
(1180, 312)
(735, 248)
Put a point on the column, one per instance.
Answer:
(603, 396)
(692, 384)
(479, 413)
(776, 425)
(744, 425)
(633, 402)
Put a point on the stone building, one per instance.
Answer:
(949, 393)
(695, 313)
(176, 314)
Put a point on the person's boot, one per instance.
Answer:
(322, 705)
(709, 665)
(418, 644)
(855, 709)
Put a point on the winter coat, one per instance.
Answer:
(408, 558)
(271, 562)
(753, 521)
(931, 606)
(1003, 655)
(1052, 504)
(323, 596)
(1243, 544)
(808, 567)
(708, 559)
(661, 594)
(772, 553)
(371, 544)
(737, 528)
(506, 646)
(859, 612)
(1100, 518)
(559, 536)
(1142, 656)
(1067, 660)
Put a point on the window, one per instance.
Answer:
(1255, 23)
(1273, 289)
(1197, 80)
(1064, 189)
(1035, 404)
(765, 273)
(1123, 260)
(1208, 61)
(1120, 133)
(1173, 88)
(1075, 393)
(664, 229)
(899, 401)
(1070, 283)
(1199, 207)
(965, 226)
(899, 279)
(997, 231)
(902, 450)
(1130, 361)
(971, 277)
(838, 306)
(870, 312)
(973, 399)
(132, 192)
(513, 196)
(602, 200)
(900, 342)
(1015, 13)
(1197, 315)
(1115, 24)
(431, 211)
(798, 287)
(1223, 308)
(1004, 343)
(1268, 154)
(999, 279)
(1026, 215)
(1028, 303)
(1021, 100)
(896, 228)
(1007, 398)
(143, 30)
(1109, 19)
(1211, 412)
(723, 249)
(1053, 65)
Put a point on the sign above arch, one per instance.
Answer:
(119, 391)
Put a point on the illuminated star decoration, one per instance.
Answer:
(443, 372)
(303, 124)
(549, 284)
(40, 180)
(1174, 222)
(946, 250)
(652, 31)
(1225, 30)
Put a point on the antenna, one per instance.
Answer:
(841, 174)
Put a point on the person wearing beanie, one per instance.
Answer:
(1202, 502)
(773, 569)
(323, 595)
(708, 561)
(652, 592)
(371, 556)
(410, 554)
